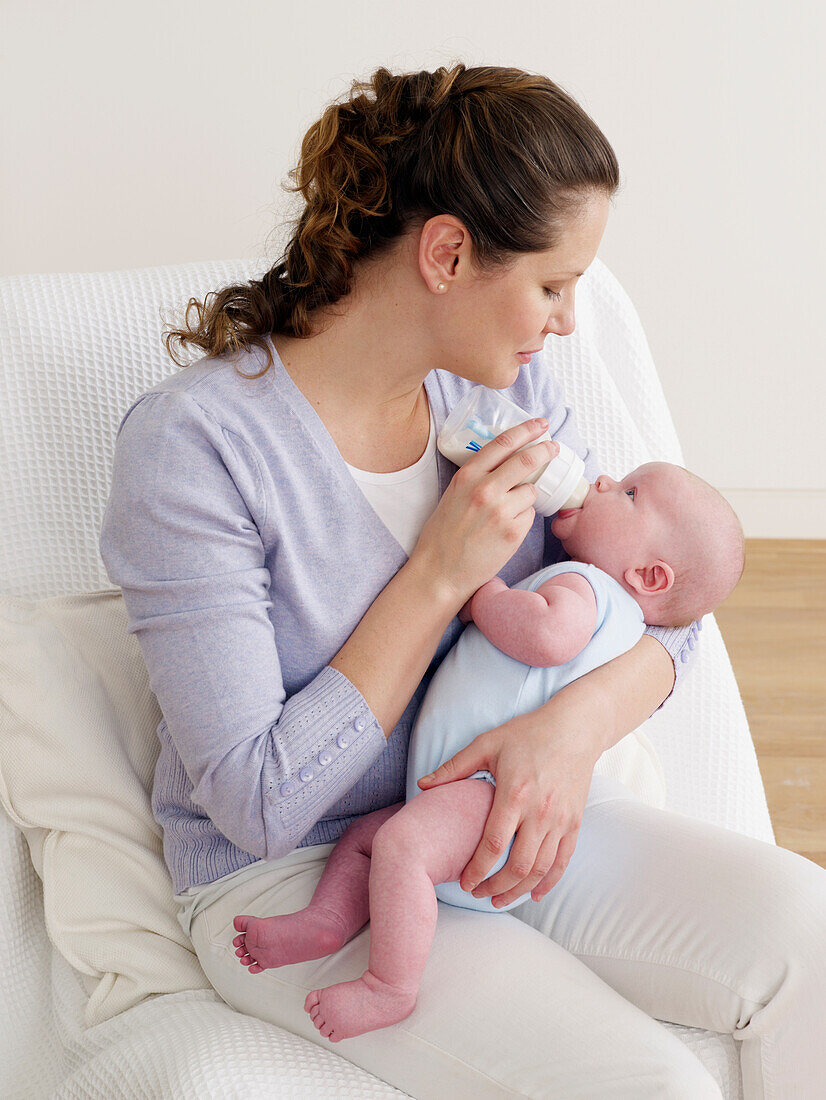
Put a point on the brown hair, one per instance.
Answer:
(507, 152)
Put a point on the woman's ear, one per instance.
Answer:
(650, 580)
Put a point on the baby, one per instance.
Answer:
(660, 547)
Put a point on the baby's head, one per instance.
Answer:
(667, 536)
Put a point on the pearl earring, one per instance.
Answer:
(441, 286)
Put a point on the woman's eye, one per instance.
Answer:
(631, 493)
(552, 294)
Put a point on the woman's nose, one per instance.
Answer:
(563, 324)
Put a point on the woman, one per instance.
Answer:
(294, 553)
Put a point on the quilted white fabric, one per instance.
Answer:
(76, 350)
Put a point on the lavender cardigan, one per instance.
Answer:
(247, 555)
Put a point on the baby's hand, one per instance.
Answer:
(495, 584)
(464, 613)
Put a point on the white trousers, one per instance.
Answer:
(658, 916)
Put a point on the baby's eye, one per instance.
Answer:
(631, 493)
(552, 294)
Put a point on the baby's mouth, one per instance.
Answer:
(563, 513)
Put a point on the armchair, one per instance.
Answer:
(77, 349)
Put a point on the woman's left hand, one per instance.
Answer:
(543, 774)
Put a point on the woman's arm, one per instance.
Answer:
(179, 536)
(615, 698)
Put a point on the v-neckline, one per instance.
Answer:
(318, 433)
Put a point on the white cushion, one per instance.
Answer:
(77, 756)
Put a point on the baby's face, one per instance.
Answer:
(623, 523)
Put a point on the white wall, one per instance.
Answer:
(160, 132)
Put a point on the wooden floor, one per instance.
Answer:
(774, 626)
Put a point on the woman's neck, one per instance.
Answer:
(370, 396)
(371, 351)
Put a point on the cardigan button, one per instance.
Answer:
(684, 656)
(359, 725)
(287, 788)
(324, 757)
(692, 641)
(306, 774)
(342, 741)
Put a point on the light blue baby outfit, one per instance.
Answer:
(478, 687)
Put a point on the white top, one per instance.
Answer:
(404, 499)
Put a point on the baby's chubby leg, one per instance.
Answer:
(338, 908)
(430, 840)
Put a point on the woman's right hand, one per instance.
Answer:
(485, 513)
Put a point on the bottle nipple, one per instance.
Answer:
(577, 497)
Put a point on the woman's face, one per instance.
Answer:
(485, 322)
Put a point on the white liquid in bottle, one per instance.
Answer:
(481, 416)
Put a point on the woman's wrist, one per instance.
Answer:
(437, 592)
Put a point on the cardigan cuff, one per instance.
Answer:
(680, 641)
(325, 739)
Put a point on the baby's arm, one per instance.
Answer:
(542, 628)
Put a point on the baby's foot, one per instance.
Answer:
(266, 942)
(351, 1008)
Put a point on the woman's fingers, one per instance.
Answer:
(531, 857)
(459, 766)
(546, 870)
(508, 443)
(500, 828)
(555, 873)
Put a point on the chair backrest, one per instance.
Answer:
(77, 348)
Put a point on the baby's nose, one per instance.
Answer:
(604, 483)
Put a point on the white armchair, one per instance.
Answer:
(76, 350)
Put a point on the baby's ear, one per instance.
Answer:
(653, 579)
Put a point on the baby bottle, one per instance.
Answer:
(480, 416)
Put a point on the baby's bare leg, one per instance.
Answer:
(430, 840)
(338, 909)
